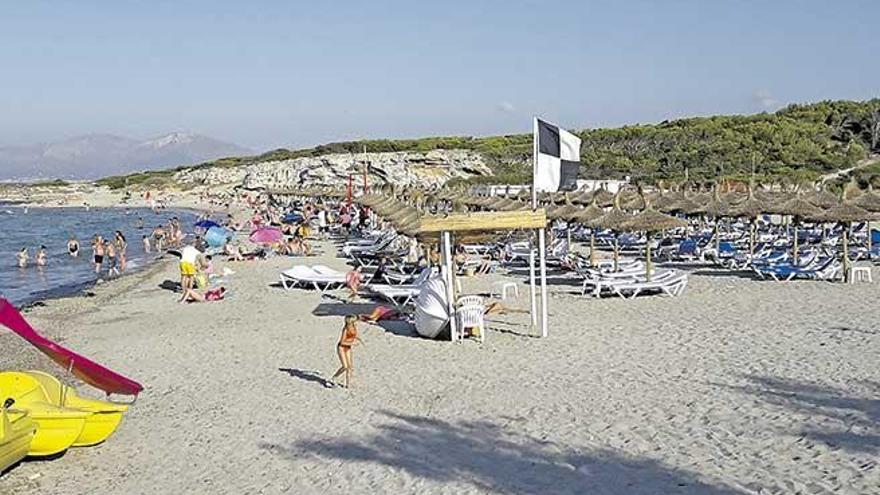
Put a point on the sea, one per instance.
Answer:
(52, 227)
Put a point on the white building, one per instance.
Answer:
(611, 185)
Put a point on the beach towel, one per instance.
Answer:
(82, 367)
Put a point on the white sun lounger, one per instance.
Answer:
(304, 276)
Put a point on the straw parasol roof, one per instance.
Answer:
(651, 220)
(868, 201)
(823, 199)
(750, 207)
(563, 212)
(613, 219)
(845, 213)
(797, 206)
(588, 214)
(715, 207)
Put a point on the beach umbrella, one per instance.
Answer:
(750, 208)
(585, 216)
(823, 199)
(612, 220)
(798, 208)
(845, 214)
(651, 220)
(292, 218)
(266, 235)
(715, 207)
(217, 236)
(869, 201)
(206, 224)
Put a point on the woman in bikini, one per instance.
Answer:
(348, 339)
(121, 248)
(73, 247)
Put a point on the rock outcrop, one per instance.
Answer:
(407, 169)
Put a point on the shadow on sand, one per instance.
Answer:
(342, 308)
(307, 375)
(854, 421)
(492, 458)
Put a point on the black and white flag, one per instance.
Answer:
(557, 158)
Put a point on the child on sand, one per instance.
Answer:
(347, 340)
(353, 281)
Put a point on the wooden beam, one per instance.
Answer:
(485, 221)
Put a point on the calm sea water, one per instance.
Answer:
(53, 227)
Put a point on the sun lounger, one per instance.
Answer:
(304, 276)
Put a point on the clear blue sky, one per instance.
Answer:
(289, 73)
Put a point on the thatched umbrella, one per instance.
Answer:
(650, 220)
(798, 208)
(585, 216)
(613, 220)
(823, 199)
(750, 208)
(868, 201)
(715, 208)
(845, 214)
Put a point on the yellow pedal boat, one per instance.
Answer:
(57, 427)
(103, 421)
(17, 430)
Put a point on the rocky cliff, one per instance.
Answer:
(432, 168)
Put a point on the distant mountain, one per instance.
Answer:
(98, 155)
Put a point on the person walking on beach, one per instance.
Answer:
(348, 339)
(189, 259)
(41, 256)
(121, 248)
(98, 252)
(73, 247)
(112, 267)
(23, 258)
(146, 241)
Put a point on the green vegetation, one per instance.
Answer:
(50, 183)
(799, 142)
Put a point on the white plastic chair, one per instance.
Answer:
(470, 315)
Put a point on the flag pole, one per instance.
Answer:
(366, 166)
(532, 293)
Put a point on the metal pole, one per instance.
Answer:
(532, 291)
(544, 301)
(450, 289)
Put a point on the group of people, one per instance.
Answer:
(111, 252)
(24, 258)
(164, 236)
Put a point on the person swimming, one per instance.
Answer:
(41, 256)
(73, 247)
(23, 258)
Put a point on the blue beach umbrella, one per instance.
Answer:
(292, 218)
(217, 236)
(206, 224)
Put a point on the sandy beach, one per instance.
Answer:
(738, 386)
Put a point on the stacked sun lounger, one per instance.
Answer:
(630, 280)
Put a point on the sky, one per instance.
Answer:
(268, 74)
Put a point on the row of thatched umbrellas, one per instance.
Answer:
(817, 206)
